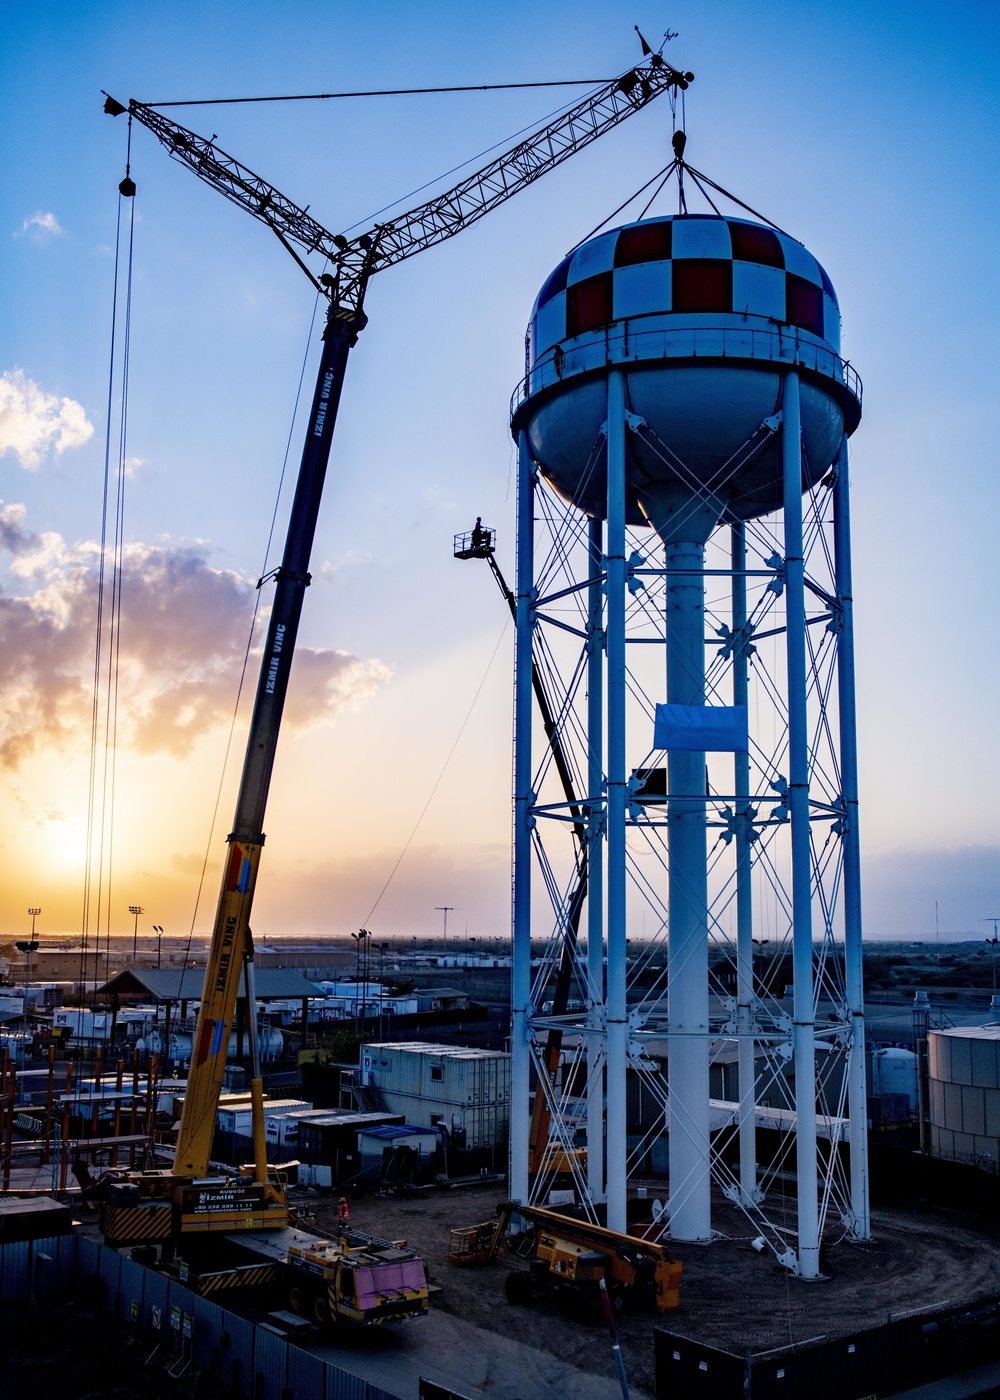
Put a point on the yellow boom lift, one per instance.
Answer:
(191, 1200)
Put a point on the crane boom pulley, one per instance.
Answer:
(355, 260)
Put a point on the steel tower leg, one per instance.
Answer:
(746, 1048)
(687, 939)
(520, 1053)
(595, 864)
(617, 1024)
(803, 1013)
(860, 1223)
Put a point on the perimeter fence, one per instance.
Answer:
(187, 1330)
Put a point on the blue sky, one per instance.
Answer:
(869, 131)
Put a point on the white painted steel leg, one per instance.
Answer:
(595, 865)
(523, 797)
(860, 1224)
(803, 1012)
(617, 1024)
(746, 1048)
(687, 966)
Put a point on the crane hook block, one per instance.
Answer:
(679, 141)
(127, 188)
(113, 108)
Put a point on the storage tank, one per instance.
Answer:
(894, 1071)
(964, 1092)
(703, 313)
(270, 1041)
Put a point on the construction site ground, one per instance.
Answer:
(731, 1296)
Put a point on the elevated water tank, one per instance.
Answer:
(704, 314)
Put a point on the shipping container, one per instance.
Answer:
(282, 1129)
(465, 1092)
(331, 1140)
(238, 1119)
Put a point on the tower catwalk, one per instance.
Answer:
(684, 590)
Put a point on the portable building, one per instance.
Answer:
(237, 1119)
(282, 1129)
(373, 1143)
(464, 1091)
(964, 1094)
(331, 1141)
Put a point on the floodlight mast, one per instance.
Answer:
(354, 261)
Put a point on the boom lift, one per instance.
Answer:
(574, 1256)
(550, 1159)
(174, 1205)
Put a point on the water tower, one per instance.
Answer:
(684, 587)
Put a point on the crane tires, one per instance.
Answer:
(518, 1289)
(296, 1299)
(321, 1311)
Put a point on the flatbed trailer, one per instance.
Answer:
(355, 1280)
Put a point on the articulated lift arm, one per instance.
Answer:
(353, 262)
(541, 1114)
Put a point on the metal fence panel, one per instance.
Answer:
(130, 1286)
(341, 1385)
(236, 1353)
(154, 1305)
(306, 1379)
(109, 1268)
(88, 1258)
(49, 1278)
(209, 1324)
(270, 1365)
(377, 1393)
(16, 1270)
(68, 1255)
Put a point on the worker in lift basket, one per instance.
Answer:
(343, 1213)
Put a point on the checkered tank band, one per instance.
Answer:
(692, 263)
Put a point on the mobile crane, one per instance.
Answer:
(177, 1206)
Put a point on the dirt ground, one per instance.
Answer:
(731, 1297)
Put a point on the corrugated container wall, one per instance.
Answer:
(465, 1091)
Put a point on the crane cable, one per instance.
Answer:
(98, 863)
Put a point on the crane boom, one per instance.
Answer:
(355, 260)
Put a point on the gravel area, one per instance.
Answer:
(731, 1296)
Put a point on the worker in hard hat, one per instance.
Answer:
(343, 1212)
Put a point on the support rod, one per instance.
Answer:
(617, 1023)
(803, 1013)
(523, 821)
(746, 1050)
(857, 1107)
(595, 863)
(687, 956)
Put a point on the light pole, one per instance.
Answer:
(445, 909)
(158, 930)
(135, 910)
(993, 919)
(27, 948)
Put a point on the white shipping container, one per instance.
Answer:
(464, 1090)
(282, 1129)
(239, 1120)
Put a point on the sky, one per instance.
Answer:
(867, 130)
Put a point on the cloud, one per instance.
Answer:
(32, 421)
(901, 887)
(183, 639)
(40, 226)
